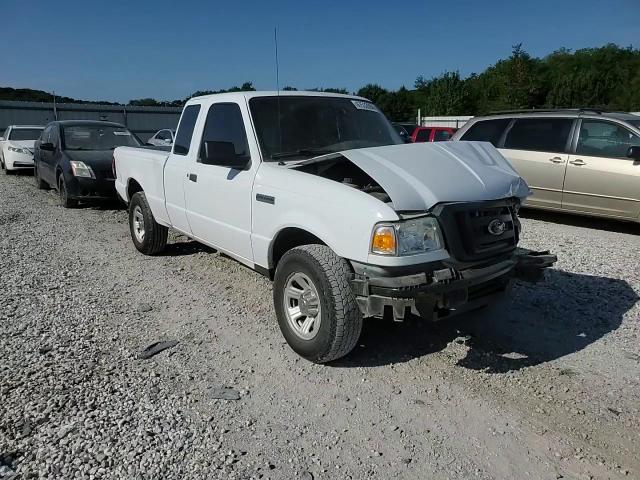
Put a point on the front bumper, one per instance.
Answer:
(16, 161)
(441, 289)
(81, 188)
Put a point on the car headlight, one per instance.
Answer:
(80, 169)
(19, 150)
(407, 237)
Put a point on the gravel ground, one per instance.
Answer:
(544, 385)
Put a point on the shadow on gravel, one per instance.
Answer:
(533, 325)
(631, 228)
(189, 247)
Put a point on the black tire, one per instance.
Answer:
(340, 317)
(63, 193)
(40, 184)
(155, 235)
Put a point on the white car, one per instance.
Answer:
(16, 146)
(162, 138)
(319, 192)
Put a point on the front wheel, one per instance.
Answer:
(148, 236)
(315, 305)
(63, 192)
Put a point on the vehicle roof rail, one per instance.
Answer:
(550, 110)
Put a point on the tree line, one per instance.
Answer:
(607, 77)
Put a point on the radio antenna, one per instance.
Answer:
(275, 41)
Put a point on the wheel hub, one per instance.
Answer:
(302, 305)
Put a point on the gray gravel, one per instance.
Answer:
(543, 385)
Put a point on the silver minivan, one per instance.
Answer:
(579, 161)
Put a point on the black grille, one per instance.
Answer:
(466, 228)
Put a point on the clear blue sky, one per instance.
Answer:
(116, 50)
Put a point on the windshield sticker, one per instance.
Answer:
(361, 105)
(126, 134)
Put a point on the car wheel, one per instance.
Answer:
(65, 201)
(315, 305)
(148, 236)
(40, 184)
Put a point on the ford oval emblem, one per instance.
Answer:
(496, 227)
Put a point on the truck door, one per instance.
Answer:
(175, 170)
(218, 198)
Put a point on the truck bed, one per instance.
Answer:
(144, 166)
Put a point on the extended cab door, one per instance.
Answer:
(601, 179)
(218, 197)
(537, 148)
(184, 153)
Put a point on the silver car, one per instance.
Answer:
(578, 161)
(162, 138)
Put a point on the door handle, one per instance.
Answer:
(556, 160)
(193, 177)
(578, 162)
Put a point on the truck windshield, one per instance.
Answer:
(25, 133)
(311, 126)
(97, 137)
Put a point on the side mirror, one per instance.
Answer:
(634, 152)
(223, 154)
(1, 139)
(47, 146)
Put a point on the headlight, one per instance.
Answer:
(407, 237)
(80, 169)
(19, 150)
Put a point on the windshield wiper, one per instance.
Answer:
(307, 152)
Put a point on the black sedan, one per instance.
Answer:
(75, 157)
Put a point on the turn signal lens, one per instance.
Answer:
(383, 241)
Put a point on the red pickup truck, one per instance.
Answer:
(432, 134)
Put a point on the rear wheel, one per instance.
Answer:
(63, 192)
(315, 305)
(148, 236)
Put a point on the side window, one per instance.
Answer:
(604, 139)
(161, 135)
(53, 136)
(539, 134)
(442, 135)
(225, 126)
(423, 135)
(487, 130)
(44, 138)
(185, 130)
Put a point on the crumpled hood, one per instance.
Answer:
(420, 175)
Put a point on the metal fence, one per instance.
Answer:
(143, 121)
(448, 121)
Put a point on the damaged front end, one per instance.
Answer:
(442, 289)
(481, 239)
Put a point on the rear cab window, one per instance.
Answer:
(487, 131)
(442, 135)
(184, 135)
(423, 135)
(539, 134)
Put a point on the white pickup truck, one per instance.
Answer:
(318, 192)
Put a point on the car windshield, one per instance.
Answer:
(97, 137)
(25, 133)
(311, 126)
